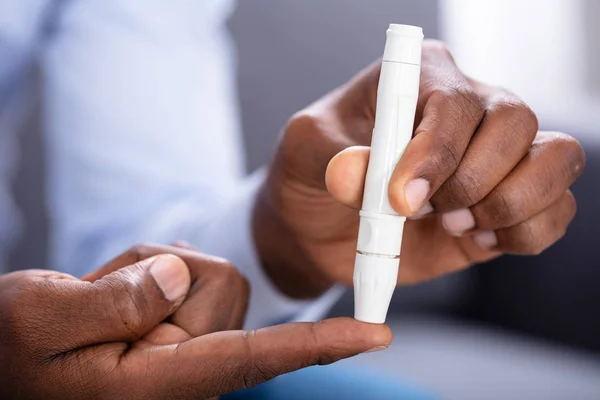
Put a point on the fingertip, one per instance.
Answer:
(396, 198)
(382, 334)
(410, 198)
(365, 335)
(171, 274)
(345, 175)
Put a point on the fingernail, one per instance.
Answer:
(169, 275)
(415, 194)
(485, 239)
(376, 349)
(459, 221)
(425, 210)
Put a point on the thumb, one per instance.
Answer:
(345, 176)
(345, 180)
(128, 303)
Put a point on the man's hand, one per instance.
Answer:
(478, 180)
(156, 323)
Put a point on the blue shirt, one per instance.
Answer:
(142, 133)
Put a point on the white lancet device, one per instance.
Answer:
(380, 231)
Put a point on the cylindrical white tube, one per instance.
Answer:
(380, 231)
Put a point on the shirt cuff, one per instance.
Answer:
(231, 237)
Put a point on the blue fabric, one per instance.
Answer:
(142, 133)
(333, 382)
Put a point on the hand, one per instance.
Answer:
(155, 323)
(478, 172)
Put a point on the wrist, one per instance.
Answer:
(283, 258)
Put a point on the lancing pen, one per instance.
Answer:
(380, 230)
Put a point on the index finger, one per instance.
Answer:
(227, 361)
(193, 258)
(450, 112)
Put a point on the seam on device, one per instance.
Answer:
(365, 253)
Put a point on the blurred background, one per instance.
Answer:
(519, 327)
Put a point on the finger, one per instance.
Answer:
(184, 244)
(239, 311)
(501, 141)
(534, 235)
(120, 307)
(451, 113)
(164, 334)
(133, 255)
(553, 163)
(31, 274)
(226, 361)
(219, 294)
(345, 176)
(218, 297)
(143, 251)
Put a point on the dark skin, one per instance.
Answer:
(123, 333)
(478, 180)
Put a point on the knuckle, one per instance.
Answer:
(571, 206)
(499, 209)
(447, 158)
(16, 302)
(226, 274)
(253, 373)
(563, 216)
(531, 239)
(25, 293)
(459, 99)
(526, 240)
(302, 124)
(462, 189)
(302, 131)
(438, 47)
(517, 118)
(321, 355)
(574, 154)
(565, 154)
(139, 251)
(28, 314)
(468, 97)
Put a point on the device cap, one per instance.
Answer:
(375, 279)
(403, 44)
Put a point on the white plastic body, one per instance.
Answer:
(381, 228)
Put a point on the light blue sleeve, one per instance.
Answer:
(22, 28)
(144, 139)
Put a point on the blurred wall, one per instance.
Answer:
(292, 52)
(546, 51)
